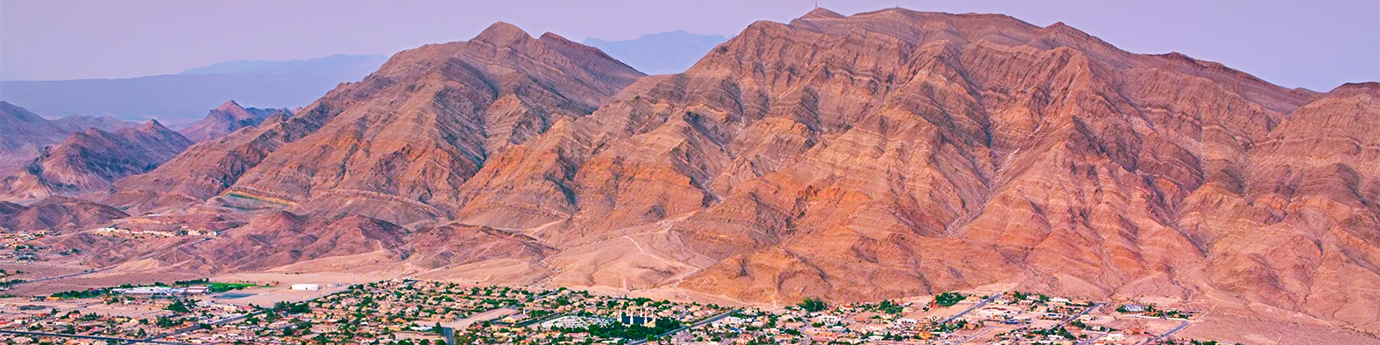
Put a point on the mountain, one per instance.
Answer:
(663, 53)
(91, 160)
(335, 64)
(885, 154)
(416, 129)
(227, 118)
(56, 214)
(23, 134)
(176, 99)
(1299, 225)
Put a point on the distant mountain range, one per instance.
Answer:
(23, 134)
(663, 53)
(335, 64)
(92, 159)
(180, 99)
(81, 153)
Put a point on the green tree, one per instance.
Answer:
(813, 305)
(178, 307)
(949, 299)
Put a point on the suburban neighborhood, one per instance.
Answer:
(415, 312)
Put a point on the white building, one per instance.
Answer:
(151, 290)
(730, 321)
(575, 322)
(827, 319)
(306, 287)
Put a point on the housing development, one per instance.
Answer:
(406, 311)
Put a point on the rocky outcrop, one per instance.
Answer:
(24, 135)
(57, 214)
(398, 145)
(1300, 224)
(92, 159)
(228, 118)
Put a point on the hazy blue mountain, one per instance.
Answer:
(335, 64)
(667, 52)
(181, 99)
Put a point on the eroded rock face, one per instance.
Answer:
(226, 119)
(397, 145)
(91, 160)
(57, 214)
(896, 153)
(280, 238)
(1301, 225)
(883, 154)
(24, 135)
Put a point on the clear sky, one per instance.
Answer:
(1315, 44)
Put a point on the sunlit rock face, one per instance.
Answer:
(874, 156)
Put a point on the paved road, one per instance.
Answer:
(971, 337)
(82, 273)
(701, 323)
(92, 337)
(1092, 339)
(975, 307)
(1166, 334)
(189, 329)
(1081, 313)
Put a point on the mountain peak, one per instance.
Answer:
(1074, 36)
(227, 118)
(822, 13)
(153, 125)
(92, 159)
(1367, 88)
(502, 33)
(229, 105)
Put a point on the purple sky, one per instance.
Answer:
(1313, 44)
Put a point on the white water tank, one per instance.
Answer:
(306, 287)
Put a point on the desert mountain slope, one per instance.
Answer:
(23, 134)
(56, 214)
(227, 118)
(92, 159)
(895, 153)
(878, 155)
(399, 144)
(1300, 228)
(892, 153)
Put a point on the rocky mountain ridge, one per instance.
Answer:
(23, 134)
(885, 154)
(227, 118)
(91, 160)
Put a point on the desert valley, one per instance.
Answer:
(879, 164)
